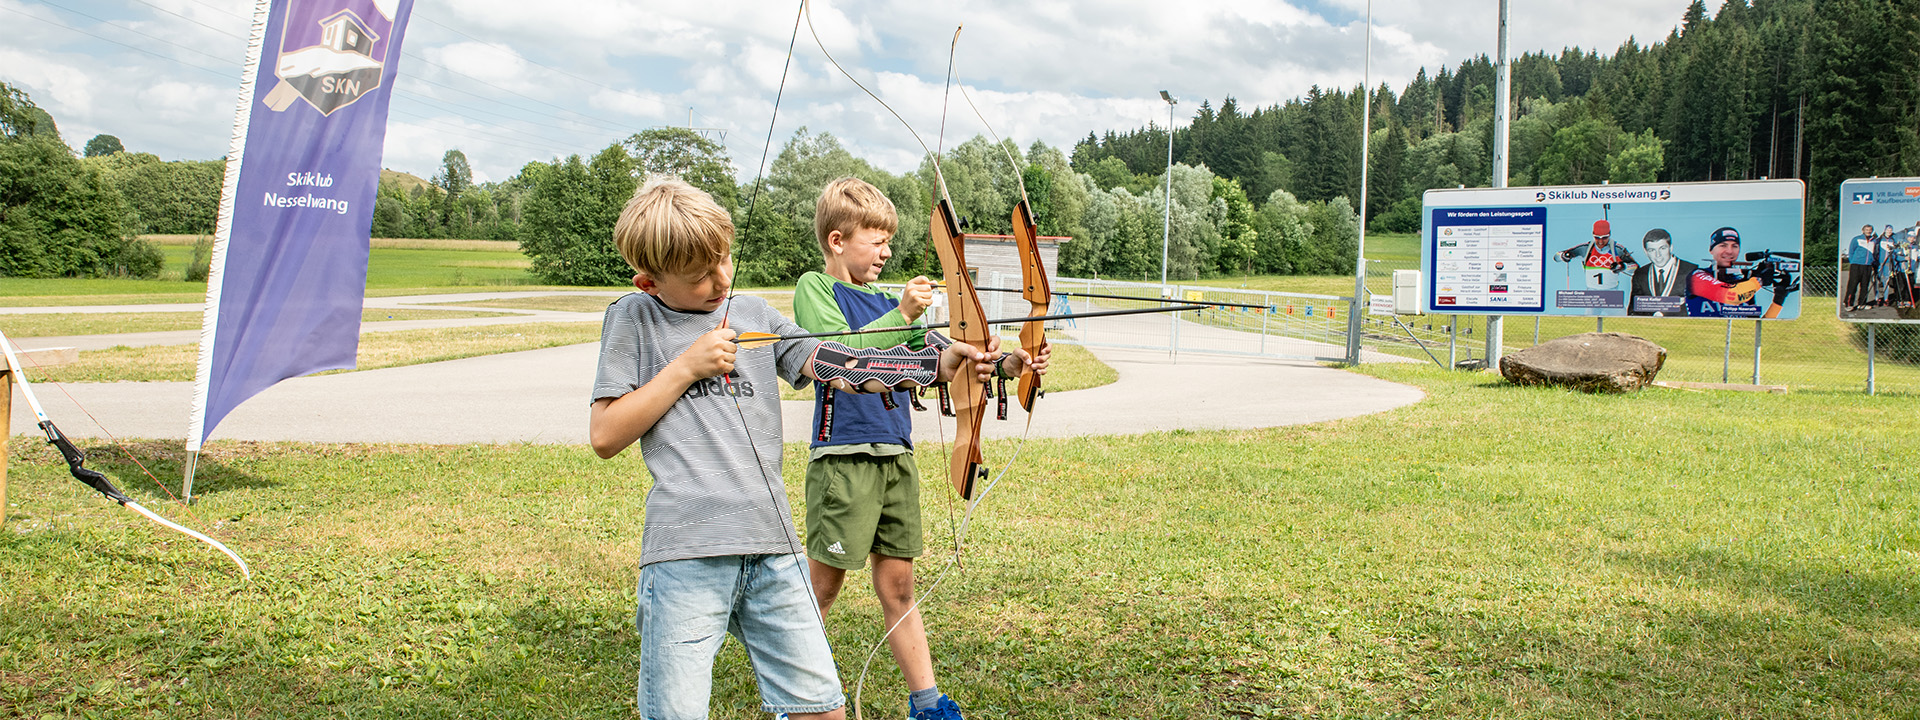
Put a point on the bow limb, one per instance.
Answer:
(1037, 291)
(190, 532)
(967, 324)
(76, 463)
(1035, 287)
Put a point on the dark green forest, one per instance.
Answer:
(1820, 91)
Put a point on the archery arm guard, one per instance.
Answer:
(895, 368)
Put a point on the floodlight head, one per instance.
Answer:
(1168, 98)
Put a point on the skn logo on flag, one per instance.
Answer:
(331, 61)
(1863, 198)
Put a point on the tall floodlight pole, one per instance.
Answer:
(1166, 223)
(1360, 248)
(1502, 95)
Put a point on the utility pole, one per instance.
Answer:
(1502, 129)
(1360, 247)
(1166, 223)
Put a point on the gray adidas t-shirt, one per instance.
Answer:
(711, 495)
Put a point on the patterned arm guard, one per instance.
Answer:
(897, 367)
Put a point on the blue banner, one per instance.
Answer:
(292, 275)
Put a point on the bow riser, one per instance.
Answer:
(967, 324)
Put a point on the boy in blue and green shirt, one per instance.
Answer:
(863, 488)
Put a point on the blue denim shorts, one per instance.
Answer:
(687, 607)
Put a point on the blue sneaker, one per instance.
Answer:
(945, 709)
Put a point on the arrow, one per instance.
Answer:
(754, 340)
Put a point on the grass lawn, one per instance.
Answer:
(54, 324)
(394, 267)
(1074, 368)
(1489, 552)
(377, 350)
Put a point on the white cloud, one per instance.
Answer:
(1051, 70)
(492, 63)
(58, 88)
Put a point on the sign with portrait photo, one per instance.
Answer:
(1696, 250)
(1879, 250)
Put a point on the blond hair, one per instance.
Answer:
(850, 204)
(670, 227)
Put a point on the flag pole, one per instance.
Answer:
(222, 234)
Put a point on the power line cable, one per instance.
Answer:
(101, 38)
(111, 23)
(454, 129)
(604, 122)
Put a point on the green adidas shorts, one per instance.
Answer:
(860, 504)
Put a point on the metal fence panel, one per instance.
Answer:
(1816, 352)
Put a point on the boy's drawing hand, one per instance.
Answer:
(712, 354)
(916, 297)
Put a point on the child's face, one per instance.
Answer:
(702, 290)
(862, 254)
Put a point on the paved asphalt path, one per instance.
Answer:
(541, 396)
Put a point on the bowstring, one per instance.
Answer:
(773, 496)
(807, 7)
(940, 177)
(760, 172)
(1020, 178)
(115, 441)
(124, 502)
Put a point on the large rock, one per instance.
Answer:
(1588, 362)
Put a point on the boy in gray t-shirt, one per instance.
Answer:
(718, 553)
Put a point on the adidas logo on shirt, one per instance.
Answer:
(836, 549)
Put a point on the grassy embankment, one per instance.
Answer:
(1489, 552)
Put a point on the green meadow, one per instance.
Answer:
(1491, 551)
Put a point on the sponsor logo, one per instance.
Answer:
(1499, 266)
(714, 387)
(836, 549)
(1447, 231)
(329, 54)
(1913, 192)
(1449, 243)
(1444, 300)
(1863, 198)
(1496, 288)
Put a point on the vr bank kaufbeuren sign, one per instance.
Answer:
(1700, 250)
(1879, 250)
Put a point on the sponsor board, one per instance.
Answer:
(1718, 249)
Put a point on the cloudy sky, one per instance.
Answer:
(508, 82)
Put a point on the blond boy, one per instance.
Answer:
(718, 553)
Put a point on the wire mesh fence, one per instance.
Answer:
(1816, 352)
